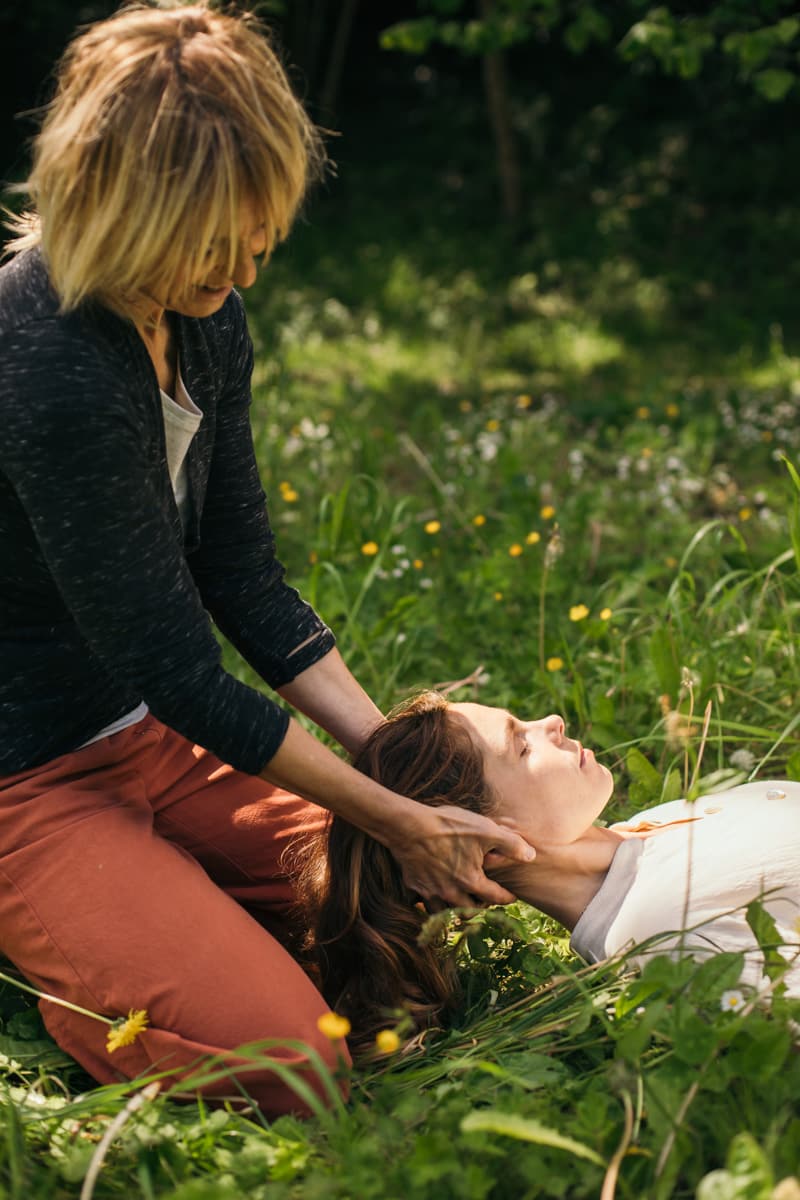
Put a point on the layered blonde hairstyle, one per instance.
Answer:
(164, 121)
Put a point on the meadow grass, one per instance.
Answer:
(543, 480)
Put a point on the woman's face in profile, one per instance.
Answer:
(546, 784)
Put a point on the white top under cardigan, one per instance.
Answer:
(744, 845)
(182, 420)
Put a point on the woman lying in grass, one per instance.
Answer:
(678, 867)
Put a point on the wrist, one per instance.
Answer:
(394, 818)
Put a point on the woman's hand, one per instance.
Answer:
(443, 853)
(441, 850)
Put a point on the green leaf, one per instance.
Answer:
(793, 765)
(714, 976)
(589, 25)
(665, 661)
(768, 938)
(632, 1043)
(773, 84)
(760, 1050)
(792, 469)
(524, 1129)
(747, 1161)
(673, 786)
(645, 779)
(412, 37)
(787, 30)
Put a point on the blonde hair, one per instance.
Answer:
(163, 122)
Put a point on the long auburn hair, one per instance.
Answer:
(364, 944)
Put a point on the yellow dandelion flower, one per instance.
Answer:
(643, 412)
(515, 550)
(578, 612)
(548, 512)
(284, 484)
(524, 401)
(418, 564)
(672, 410)
(532, 538)
(670, 562)
(289, 495)
(498, 595)
(433, 526)
(555, 663)
(332, 1026)
(647, 452)
(492, 425)
(479, 519)
(125, 1031)
(766, 435)
(370, 549)
(313, 557)
(387, 1041)
(605, 614)
(745, 514)
(465, 406)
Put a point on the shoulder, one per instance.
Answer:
(26, 295)
(56, 366)
(745, 797)
(30, 316)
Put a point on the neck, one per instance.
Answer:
(150, 318)
(563, 880)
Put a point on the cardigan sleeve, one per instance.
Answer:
(88, 477)
(238, 575)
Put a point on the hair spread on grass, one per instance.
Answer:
(365, 944)
(164, 120)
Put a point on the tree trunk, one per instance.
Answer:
(333, 73)
(495, 84)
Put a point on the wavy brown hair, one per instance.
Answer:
(365, 943)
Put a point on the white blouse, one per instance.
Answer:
(691, 883)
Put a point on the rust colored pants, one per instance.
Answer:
(141, 872)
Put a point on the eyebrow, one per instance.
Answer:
(510, 733)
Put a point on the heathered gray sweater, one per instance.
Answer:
(103, 601)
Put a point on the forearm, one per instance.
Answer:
(332, 697)
(305, 766)
(440, 850)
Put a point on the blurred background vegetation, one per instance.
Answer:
(549, 132)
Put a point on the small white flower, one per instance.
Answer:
(731, 1000)
(743, 760)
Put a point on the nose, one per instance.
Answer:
(244, 271)
(553, 726)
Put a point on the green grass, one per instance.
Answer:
(463, 439)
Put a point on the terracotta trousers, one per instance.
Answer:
(141, 872)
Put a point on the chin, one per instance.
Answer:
(201, 303)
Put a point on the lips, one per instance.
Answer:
(212, 291)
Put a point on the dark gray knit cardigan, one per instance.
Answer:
(103, 599)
